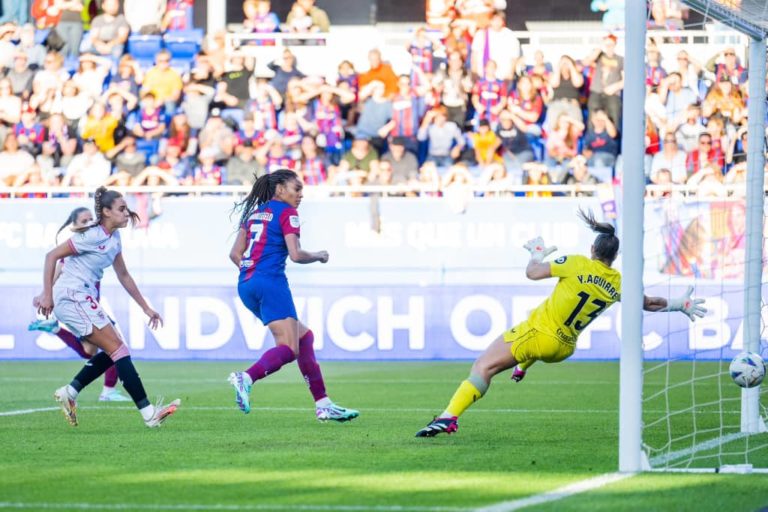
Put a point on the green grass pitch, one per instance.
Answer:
(557, 427)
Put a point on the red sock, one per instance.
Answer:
(110, 377)
(271, 361)
(309, 367)
(73, 342)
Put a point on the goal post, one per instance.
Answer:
(714, 443)
(632, 262)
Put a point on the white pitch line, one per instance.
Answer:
(28, 411)
(21, 412)
(235, 508)
(557, 494)
(663, 460)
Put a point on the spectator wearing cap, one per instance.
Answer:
(89, 168)
(726, 65)
(375, 114)
(99, 126)
(608, 81)
(403, 164)
(601, 144)
(13, 160)
(10, 104)
(163, 81)
(379, 71)
(35, 52)
(407, 110)
(498, 43)
(670, 158)
(302, 9)
(91, 73)
(144, 16)
(109, 30)
(21, 76)
(443, 137)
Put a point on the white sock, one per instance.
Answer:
(446, 414)
(106, 389)
(247, 378)
(324, 402)
(72, 391)
(147, 412)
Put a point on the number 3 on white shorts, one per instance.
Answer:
(256, 229)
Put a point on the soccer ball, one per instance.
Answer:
(747, 369)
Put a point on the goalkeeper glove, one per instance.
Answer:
(689, 306)
(538, 250)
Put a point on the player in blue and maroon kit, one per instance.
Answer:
(269, 233)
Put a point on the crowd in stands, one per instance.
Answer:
(76, 108)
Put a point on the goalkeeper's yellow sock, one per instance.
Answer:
(468, 392)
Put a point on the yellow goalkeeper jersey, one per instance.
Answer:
(586, 288)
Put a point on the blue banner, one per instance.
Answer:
(371, 323)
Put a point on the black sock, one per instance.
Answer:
(93, 369)
(131, 381)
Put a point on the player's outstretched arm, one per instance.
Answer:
(44, 301)
(537, 268)
(299, 255)
(686, 304)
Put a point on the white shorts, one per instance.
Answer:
(78, 310)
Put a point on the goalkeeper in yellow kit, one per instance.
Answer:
(586, 288)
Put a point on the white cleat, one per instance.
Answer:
(162, 412)
(67, 403)
(336, 413)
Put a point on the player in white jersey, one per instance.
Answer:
(73, 300)
(79, 218)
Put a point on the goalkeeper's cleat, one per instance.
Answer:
(113, 395)
(518, 374)
(242, 387)
(162, 412)
(440, 426)
(336, 413)
(50, 325)
(67, 403)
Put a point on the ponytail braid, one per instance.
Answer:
(606, 245)
(262, 192)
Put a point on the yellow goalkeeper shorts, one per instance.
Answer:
(528, 344)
